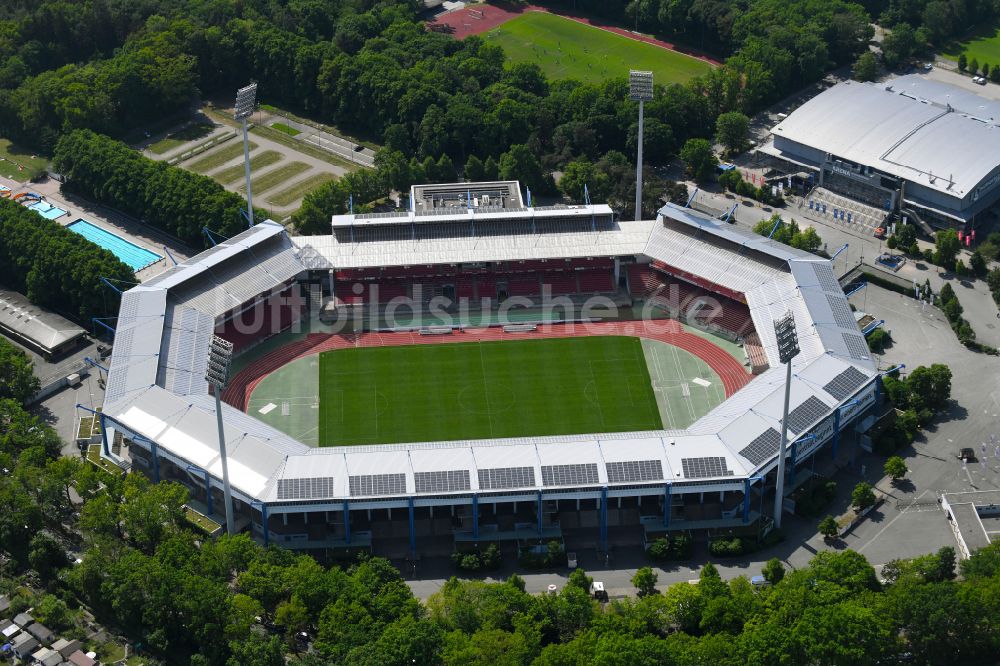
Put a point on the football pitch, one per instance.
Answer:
(483, 390)
(460, 390)
(567, 49)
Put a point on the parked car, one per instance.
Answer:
(928, 66)
(597, 591)
(967, 454)
(981, 80)
(879, 232)
(571, 560)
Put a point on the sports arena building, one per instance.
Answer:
(908, 145)
(404, 499)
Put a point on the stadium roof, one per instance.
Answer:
(35, 326)
(156, 389)
(929, 133)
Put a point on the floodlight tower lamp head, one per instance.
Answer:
(640, 86)
(246, 99)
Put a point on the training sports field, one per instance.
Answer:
(408, 388)
(568, 49)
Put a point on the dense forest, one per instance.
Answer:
(186, 599)
(55, 267)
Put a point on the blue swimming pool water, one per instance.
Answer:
(133, 255)
(47, 210)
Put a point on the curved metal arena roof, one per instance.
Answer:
(930, 133)
(157, 391)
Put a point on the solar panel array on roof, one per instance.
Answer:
(806, 414)
(569, 475)
(856, 346)
(824, 273)
(377, 484)
(501, 478)
(632, 471)
(300, 489)
(846, 383)
(441, 482)
(841, 311)
(705, 468)
(763, 447)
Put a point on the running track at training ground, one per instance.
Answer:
(732, 373)
(460, 24)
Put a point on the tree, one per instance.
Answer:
(580, 579)
(520, 164)
(828, 528)
(644, 581)
(17, 379)
(700, 159)
(946, 245)
(731, 130)
(974, 66)
(986, 68)
(895, 468)
(863, 496)
(977, 263)
(963, 63)
(878, 339)
(53, 613)
(773, 571)
(473, 171)
(865, 67)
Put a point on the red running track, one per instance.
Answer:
(468, 21)
(732, 373)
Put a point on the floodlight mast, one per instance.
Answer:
(246, 98)
(220, 356)
(640, 90)
(788, 348)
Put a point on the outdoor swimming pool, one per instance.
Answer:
(133, 255)
(47, 210)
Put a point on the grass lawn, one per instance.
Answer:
(200, 520)
(94, 456)
(566, 49)
(216, 158)
(300, 189)
(276, 177)
(282, 127)
(192, 132)
(484, 390)
(984, 46)
(238, 171)
(13, 155)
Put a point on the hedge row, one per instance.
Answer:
(54, 267)
(166, 197)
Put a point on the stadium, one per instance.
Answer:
(909, 146)
(477, 369)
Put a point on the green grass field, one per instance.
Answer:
(537, 387)
(287, 129)
(238, 171)
(278, 176)
(12, 156)
(484, 390)
(984, 47)
(566, 49)
(216, 158)
(300, 189)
